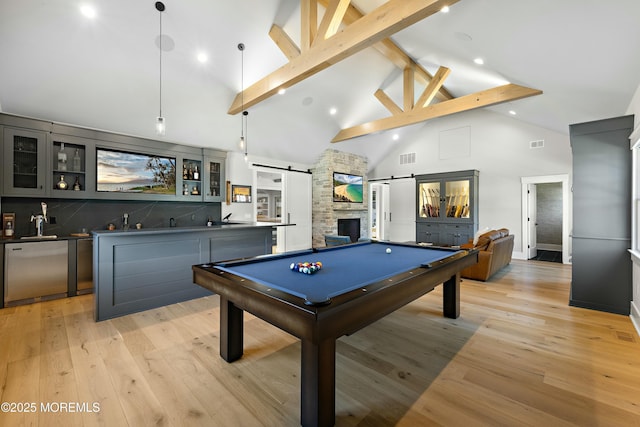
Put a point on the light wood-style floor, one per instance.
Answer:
(518, 355)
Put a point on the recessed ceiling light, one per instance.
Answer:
(333, 111)
(479, 61)
(445, 9)
(202, 57)
(282, 91)
(513, 113)
(88, 11)
(395, 137)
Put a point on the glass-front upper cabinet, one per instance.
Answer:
(429, 199)
(25, 162)
(457, 199)
(446, 196)
(71, 173)
(214, 179)
(192, 178)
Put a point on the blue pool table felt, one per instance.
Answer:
(343, 268)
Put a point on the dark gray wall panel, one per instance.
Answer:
(601, 275)
(601, 237)
(139, 270)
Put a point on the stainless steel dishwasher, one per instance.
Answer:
(35, 270)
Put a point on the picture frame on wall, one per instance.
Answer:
(241, 194)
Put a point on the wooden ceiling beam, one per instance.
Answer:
(381, 23)
(393, 52)
(333, 16)
(497, 95)
(308, 23)
(433, 87)
(408, 87)
(387, 102)
(284, 42)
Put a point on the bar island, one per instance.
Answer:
(136, 270)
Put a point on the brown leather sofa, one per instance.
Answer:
(495, 249)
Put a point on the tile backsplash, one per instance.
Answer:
(74, 216)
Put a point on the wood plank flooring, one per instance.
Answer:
(518, 355)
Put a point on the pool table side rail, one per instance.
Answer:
(385, 297)
(250, 297)
(346, 314)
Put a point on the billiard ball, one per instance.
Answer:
(388, 250)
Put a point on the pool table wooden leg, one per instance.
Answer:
(231, 330)
(451, 297)
(318, 383)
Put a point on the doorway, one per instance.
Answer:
(379, 211)
(545, 216)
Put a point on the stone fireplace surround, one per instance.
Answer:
(326, 212)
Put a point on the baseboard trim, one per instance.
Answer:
(549, 247)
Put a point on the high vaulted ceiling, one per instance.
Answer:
(104, 73)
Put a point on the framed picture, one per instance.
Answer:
(347, 188)
(241, 193)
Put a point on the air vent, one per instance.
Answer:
(536, 144)
(408, 158)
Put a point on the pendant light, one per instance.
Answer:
(243, 119)
(160, 122)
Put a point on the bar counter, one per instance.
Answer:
(136, 270)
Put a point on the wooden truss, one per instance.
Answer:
(322, 45)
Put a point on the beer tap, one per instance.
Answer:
(40, 219)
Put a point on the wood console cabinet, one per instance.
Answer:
(447, 207)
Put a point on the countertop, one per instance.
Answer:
(218, 226)
(43, 239)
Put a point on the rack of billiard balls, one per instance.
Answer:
(306, 267)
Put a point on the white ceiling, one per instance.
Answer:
(56, 64)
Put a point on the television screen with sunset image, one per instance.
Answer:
(123, 172)
(347, 188)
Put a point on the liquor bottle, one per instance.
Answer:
(184, 172)
(76, 185)
(62, 184)
(185, 190)
(196, 174)
(76, 161)
(62, 158)
(8, 229)
(190, 172)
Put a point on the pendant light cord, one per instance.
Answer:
(160, 45)
(243, 119)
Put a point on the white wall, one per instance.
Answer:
(499, 149)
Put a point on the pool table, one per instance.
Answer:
(357, 285)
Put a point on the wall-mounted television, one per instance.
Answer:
(124, 172)
(347, 188)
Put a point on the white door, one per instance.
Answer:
(532, 221)
(379, 211)
(402, 201)
(296, 210)
(385, 214)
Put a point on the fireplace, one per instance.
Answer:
(349, 227)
